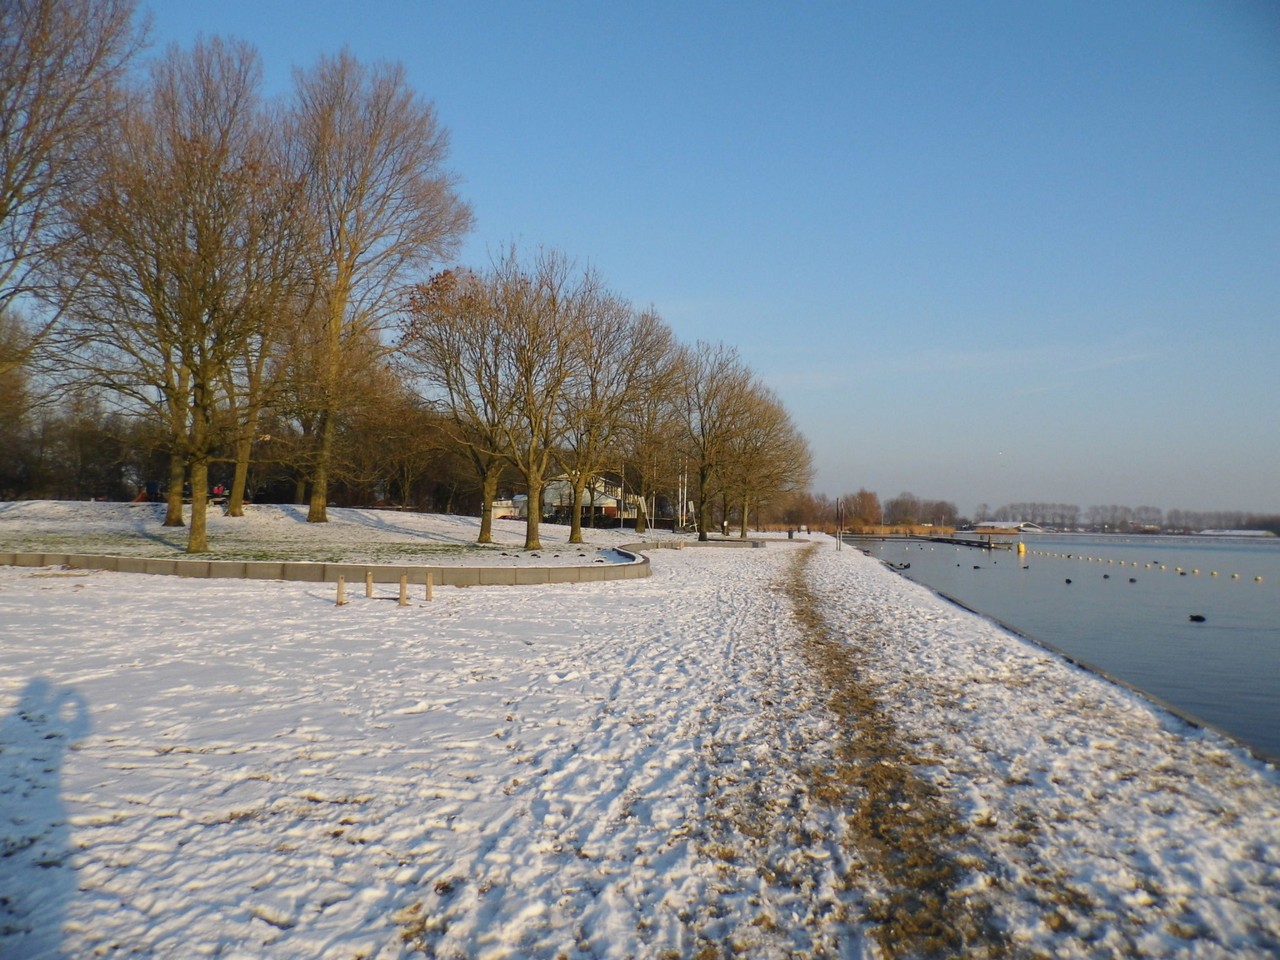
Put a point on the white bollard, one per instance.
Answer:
(368, 583)
(342, 591)
(404, 591)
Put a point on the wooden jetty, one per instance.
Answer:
(986, 540)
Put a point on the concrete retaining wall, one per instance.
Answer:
(637, 566)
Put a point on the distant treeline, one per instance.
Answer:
(1121, 519)
(865, 509)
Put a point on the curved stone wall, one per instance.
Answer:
(458, 576)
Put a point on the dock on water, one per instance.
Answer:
(993, 540)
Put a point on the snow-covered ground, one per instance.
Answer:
(244, 769)
(280, 533)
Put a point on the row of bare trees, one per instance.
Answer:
(865, 509)
(225, 255)
(231, 270)
(202, 254)
(1118, 518)
(540, 367)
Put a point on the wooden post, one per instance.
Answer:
(430, 580)
(342, 590)
(404, 591)
(368, 583)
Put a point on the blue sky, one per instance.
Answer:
(985, 252)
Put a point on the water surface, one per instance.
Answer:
(1127, 609)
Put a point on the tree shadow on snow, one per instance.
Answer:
(36, 877)
(383, 520)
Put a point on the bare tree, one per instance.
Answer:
(386, 442)
(60, 64)
(283, 293)
(902, 509)
(767, 456)
(623, 359)
(544, 308)
(713, 403)
(864, 507)
(452, 343)
(499, 350)
(650, 428)
(15, 345)
(373, 156)
(173, 250)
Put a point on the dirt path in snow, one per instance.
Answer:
(897, 823)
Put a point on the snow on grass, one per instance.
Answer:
(225, 768)
(281, 533)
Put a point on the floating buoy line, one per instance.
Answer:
(1153, 565)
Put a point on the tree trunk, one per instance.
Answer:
(235, 499)
(489, 492)
(534, 520)
(198, 539)
(173, 498)
(703, 520)
(317, 512)
(575, 521)
(642, 513)
(746, 506)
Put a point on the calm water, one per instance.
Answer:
(1225, 670)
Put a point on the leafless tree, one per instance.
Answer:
(864, 508)
(173, 247)
(500, 351)
(60, 64)
(373, 156)
(283, 294)
(544, 307)
(387, 442)
(453, 342)
(903, 509)
(713, 404)
(767, 456)
(623, 359)
(651, 428)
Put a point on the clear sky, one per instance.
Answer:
(985, 252)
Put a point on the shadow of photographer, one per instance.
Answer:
(37, 880)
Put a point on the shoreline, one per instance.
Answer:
(1184, 715)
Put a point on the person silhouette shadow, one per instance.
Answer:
(37, 880)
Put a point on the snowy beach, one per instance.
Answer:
(626, 769)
